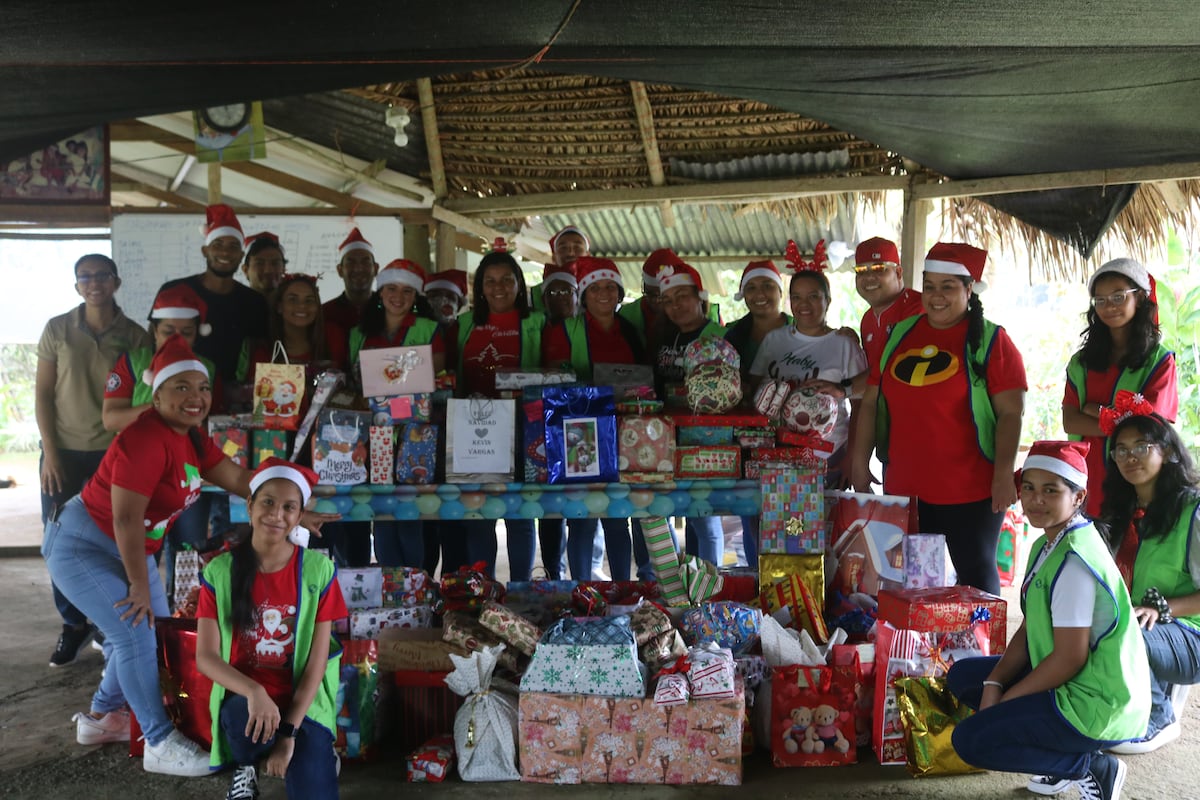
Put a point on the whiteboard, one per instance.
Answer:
(151, 249)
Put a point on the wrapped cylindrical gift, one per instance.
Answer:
(511, 627)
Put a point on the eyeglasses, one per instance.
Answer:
(85, 278)
(560, 292)
(1138, 451)
(872, 268)
(1114, 299)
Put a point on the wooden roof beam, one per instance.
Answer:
(183, 197)
(645, 118)
(433, 145)
(162, 195)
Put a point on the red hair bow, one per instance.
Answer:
(794, 258)
(288, 277)
(1125, 405)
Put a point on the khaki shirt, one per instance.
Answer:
(83, 361)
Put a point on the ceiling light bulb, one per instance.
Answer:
(396, 117)
(401, 138)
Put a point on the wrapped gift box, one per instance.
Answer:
(269, 444)
(392, 371)
(432, 761)
(362, 587)
(366, 623)
(416, 650)
(407, 586)
(339, 447)
(708, 462)
(231, 438)
(382, 439)
(730, 625)
(513, 629)
(712, 673)
(925, 561)
(402, 409)
(587, 656)
(664, 558)
(773, 568)
(517, 378)
(793, 511)
(646, 444)
(417, 454)
(464, 630)
(705, 434)
(533, 438)
(781, 457)
(792, 604)
(584, 739)
(945, 610)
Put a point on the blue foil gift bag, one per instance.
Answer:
(581, 434)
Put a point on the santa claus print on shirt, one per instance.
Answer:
(272, 639)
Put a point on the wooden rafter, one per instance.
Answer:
(645, 119)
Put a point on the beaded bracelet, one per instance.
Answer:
(1155, 600)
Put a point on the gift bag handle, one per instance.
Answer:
(279, 350)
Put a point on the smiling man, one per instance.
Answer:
(235, 311)
(879, 281)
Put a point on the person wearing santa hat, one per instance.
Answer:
(264, 264)
(101, 550)
(645, 311)
(357, 268)
(558, 288)
(264, 636)
(597, 336)
(235, 311)
(298, 323)
(1122, 350)
(446, 292)
(1074, 679)
(879, 280)
(73, 353)
(567, 245)
(943, 410)
(762, 290)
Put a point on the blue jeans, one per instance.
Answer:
(522, 546)
(750, 541)
(88, 566)
(431, 534)
(704, 537)
(1174, 654)
(312, 771)
(399, 543)
(1027, 734)
(349, 542)
(77, 467)
(641, 556)
(467, 541)
(552, 537)
(581, 538)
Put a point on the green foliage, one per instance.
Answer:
(1179, 315)
(18, 371)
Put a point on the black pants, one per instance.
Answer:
(972, 533)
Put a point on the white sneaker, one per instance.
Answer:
(1179, 696)
(1138, 746)
(112, 727)
(176, 755)
(1048, 785)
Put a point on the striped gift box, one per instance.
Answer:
(665, 560)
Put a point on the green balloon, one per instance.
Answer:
(362, 512)
(596, 502)
(428, 504)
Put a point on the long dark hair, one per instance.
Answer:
(241, 582)
(1177, 484)
(479, 312)
(374, 318)
(1096, 352)
(318, 348)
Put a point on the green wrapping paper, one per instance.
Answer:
(665, 560)
(929, 712)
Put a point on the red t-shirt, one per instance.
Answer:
(157, 462)
(876, 328)
(121, 380)
(604, 347)
(933, 448)
(266, 653)
(341, 312)
(1161, 392)
(496, 345)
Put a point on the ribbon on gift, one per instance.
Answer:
(701, 579)
(673, 690)
(681, 667)
(589, 602)
(981, 627)
(664, 558)
(397, 367)
(806, 540)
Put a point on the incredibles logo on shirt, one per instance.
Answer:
(924, 366)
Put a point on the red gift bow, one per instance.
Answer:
(1126, 404)
(681, 667)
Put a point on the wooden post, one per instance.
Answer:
(214, 183)
(645, 118)
(433, 144)
(416, 244)
(447, 246)
(912, 235)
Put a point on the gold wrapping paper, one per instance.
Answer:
(810, 567)
(929, 712)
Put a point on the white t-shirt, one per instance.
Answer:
(787, 354)
(1074, 601)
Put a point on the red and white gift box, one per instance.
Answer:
(383, 453)
(713, 674)
(432, 761)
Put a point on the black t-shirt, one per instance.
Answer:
(668, 356)
(234, 317)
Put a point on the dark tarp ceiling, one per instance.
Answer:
(967, 89)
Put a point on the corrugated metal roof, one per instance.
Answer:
(774, 165)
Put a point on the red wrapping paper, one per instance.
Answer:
(944, 610)
(185, 689)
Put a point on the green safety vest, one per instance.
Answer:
(1162, 562)
(531, 338)
(1130, 380)
(139, 361)
(982, 413)
(581, 352)
(633, 313)
(1109, 698)
(420, 332)
(315, 576)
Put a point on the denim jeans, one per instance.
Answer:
(312, 771)
(641, 556)
(467, 541)
(522, 547)
(1174, 654)
(399, 543)
(77, 467)
(1028, 734)
(88, 566)
(750, 541)
(581, 538)
(552, 538)
(704, 537)
(349, 542)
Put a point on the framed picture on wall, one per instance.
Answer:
(72, 171)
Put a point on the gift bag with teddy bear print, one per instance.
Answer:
(812, 715)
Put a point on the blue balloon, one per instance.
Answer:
(575, 509)
(620, 508)
(452, 509)
(407, 511)
(553, 501)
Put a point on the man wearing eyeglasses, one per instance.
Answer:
(879, 281)
(75, 354)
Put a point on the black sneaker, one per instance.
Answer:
(69, 641)
(1104, 780)
(244, 785)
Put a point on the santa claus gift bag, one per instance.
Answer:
(278, 392)
(581, 434)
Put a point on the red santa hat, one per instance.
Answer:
(221, 221)
(1067, 460)
(403, 272)
(955, 258)
(554, 272)
(587, 243)
(664, 256)
(450, 280)
(275, 467)
(596, 269)
(759, 269)
(875, 251)
(354, 241)
(171, 359)
(181, 302)
(682, 274)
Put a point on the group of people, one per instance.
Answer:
(929, 386)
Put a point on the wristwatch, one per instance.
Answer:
(286, 729)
